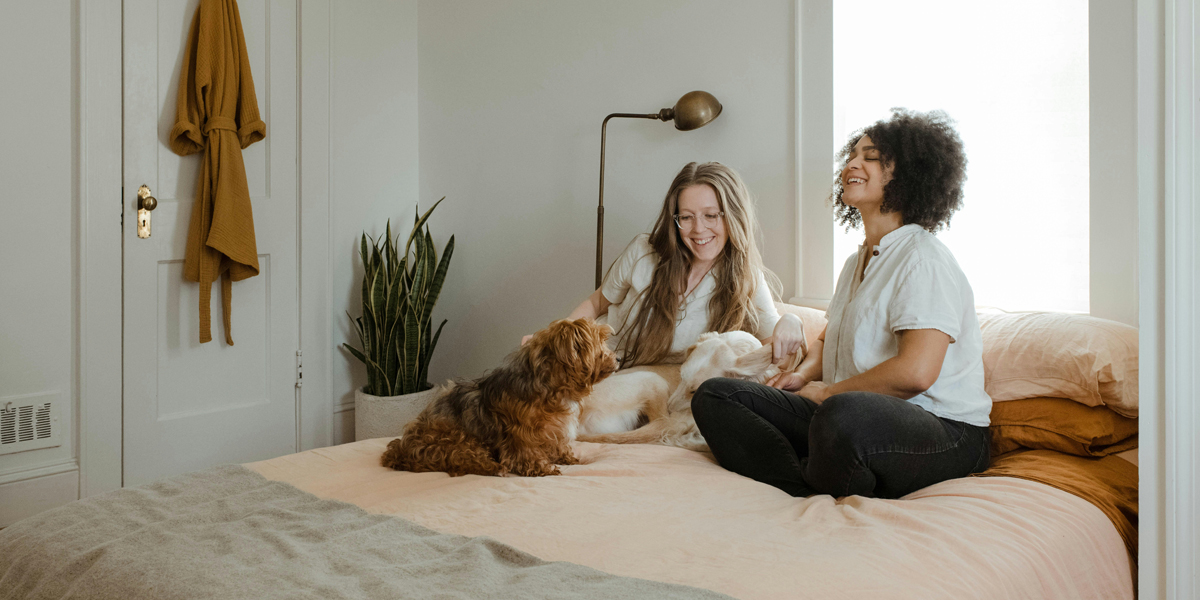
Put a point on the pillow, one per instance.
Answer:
(813, 319)
(1090, 360)
(1062, 425)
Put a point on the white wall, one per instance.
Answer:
(372, 159)
(1113, 211)
(38, 236)
(512, 96)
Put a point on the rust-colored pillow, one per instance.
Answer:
(1060, 424)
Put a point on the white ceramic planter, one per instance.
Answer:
(386, 416)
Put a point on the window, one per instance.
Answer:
(1014, 75)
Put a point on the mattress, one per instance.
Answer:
(674, 516)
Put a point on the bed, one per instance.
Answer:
(1054, 517)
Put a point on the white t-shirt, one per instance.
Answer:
(630, 276)
(913, 283)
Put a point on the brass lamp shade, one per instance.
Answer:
(693, 111)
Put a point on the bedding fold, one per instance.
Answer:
(1110, 483)
(228, 533)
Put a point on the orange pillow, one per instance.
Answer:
(1062, 425)
(1090, 360)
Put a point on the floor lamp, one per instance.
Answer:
(693, 111)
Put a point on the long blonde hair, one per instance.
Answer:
(736, 269)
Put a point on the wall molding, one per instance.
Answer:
(813, 72)
(1150, 161)
(98, 257)
(318, 404)
(1181, 315)
(43, 470)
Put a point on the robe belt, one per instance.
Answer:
(219, 123)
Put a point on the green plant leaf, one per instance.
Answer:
(356, 353)
(423, 377)
(412, 352)
(439, 277)
(389, 249)
(419, 222)
(364, 338)
(430, 259)
(412, 337)
(424, 274)
(394, 330)
(362, 251)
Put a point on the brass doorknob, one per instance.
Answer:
(145, 200)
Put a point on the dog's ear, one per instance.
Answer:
(570, 354)
(793, 360)
(752, 365)
(704, 337)
(688, 353)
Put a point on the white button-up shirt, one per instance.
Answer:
(912, 283)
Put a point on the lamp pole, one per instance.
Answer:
(600, 207)
(694, 110)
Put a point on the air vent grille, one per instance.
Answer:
(8, 427)
(27, 424)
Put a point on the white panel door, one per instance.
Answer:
(188, 406)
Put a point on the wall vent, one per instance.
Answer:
(28, 423)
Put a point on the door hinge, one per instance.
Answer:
(299, 368)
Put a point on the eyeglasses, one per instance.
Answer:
(687, 222)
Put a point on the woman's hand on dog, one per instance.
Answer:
(817, 391)
(788, 382)
(787, 338)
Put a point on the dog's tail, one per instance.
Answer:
(679, 431)
(650, 433)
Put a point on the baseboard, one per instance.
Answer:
(28, 497)
(38, 470)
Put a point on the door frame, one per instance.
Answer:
(99, 251)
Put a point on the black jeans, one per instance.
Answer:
(857, 443)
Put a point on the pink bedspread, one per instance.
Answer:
(673, 515)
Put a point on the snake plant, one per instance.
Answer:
(398, 294)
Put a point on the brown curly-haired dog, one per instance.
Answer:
(518, 419)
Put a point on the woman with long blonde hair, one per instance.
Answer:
(698, 270)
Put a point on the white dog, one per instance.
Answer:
(607, 415)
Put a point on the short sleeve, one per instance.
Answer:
(620, 277)
(768, 315)
(928, 297)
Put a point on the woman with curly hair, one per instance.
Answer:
(698, 270)
(890, 398)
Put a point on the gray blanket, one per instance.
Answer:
(229, 533)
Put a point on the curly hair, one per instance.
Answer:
(928, 164)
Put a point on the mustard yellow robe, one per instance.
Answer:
(217, 112)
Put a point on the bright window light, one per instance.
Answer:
(1014, 75)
